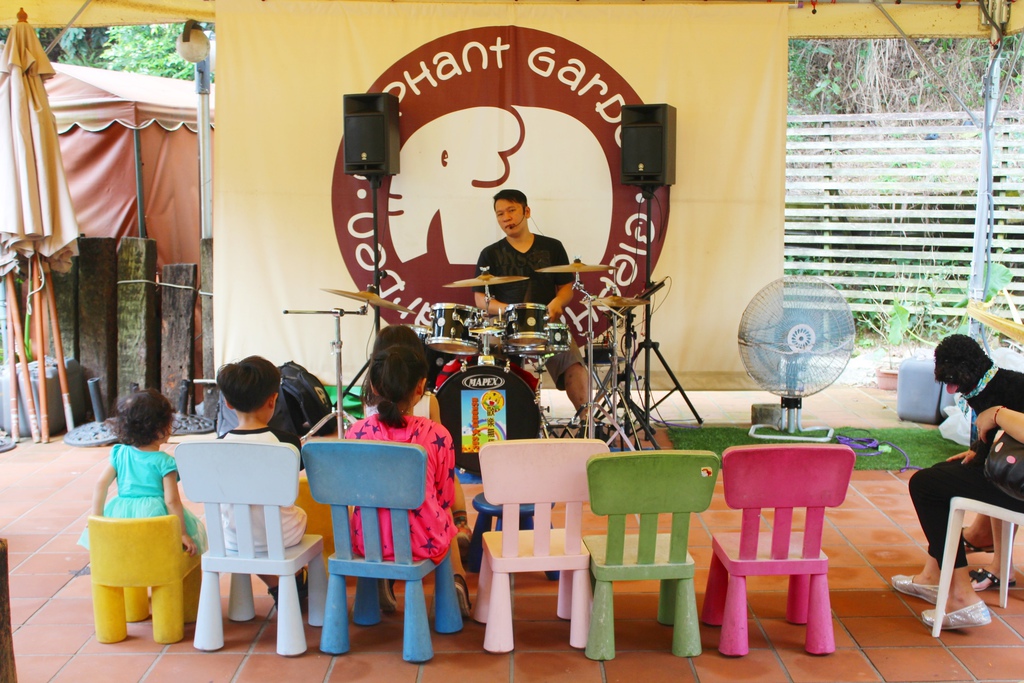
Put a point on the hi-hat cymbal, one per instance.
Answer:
(620, 302)
(486, 279)
(369, 298)
(576, 266)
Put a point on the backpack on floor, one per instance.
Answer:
(307, 399)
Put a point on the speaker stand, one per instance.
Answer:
(647, 345)
(375, 181)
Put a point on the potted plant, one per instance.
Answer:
(895, 328)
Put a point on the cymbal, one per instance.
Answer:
(620, 302)
(486, 279)
(576, 266)
(369, 298)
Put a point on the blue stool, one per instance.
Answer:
(486, 513)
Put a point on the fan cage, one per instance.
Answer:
(796, 336)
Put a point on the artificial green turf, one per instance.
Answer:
(924, 447)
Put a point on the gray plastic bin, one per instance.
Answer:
(919, 398)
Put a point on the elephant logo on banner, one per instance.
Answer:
(486, 109)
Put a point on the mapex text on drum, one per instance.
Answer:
(483, 382)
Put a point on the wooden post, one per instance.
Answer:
(178, 305)
(8, 674)
(97, 313)
(211, 395)
(65, 292)
(138, 327)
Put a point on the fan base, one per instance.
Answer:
(791, 425)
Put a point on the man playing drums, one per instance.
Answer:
(522, 253)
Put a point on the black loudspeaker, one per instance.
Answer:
(371, 134)
(648, 144)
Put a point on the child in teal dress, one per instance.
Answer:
(147, 478)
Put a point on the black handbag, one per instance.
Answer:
(1004, 466)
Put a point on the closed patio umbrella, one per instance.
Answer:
(36, 215)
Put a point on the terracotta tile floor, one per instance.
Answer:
(45, 492)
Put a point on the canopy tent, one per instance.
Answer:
(274, 217)
(842, 19)
(107, 118)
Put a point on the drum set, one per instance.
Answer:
(486, 398)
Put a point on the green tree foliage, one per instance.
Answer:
(81, 46)
(869, 76)
(147, 50)
(138, 49)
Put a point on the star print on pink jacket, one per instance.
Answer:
(431, 523)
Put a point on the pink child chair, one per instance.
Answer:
(783, 477)
(543, 472)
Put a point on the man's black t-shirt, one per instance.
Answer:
(504, 259)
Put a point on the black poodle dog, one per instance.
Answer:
(961, 363)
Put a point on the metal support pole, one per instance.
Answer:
(983, 221)
(205, 149)
(140, 191)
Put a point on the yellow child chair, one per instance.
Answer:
(128, 556)
(318, 516)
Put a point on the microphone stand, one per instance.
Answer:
(633, 411)
(336, 345)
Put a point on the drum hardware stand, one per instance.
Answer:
(339, 412)
(647, 345)
(545, 424)
(611, 393)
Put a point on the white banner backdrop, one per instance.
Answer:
(493, 96)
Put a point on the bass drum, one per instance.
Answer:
(484, 403)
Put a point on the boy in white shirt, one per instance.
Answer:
(251, 387)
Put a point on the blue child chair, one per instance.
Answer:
(378, 475)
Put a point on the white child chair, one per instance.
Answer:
(244, 475)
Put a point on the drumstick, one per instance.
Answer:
(23, 376)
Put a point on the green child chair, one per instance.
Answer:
(129, 556)
(626, 485)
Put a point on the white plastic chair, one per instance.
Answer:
(957, 507)
(219, 473)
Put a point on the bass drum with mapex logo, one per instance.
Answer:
(482, 404)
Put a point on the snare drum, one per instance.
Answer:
(485, 403)
(451, 329)
(524, 326)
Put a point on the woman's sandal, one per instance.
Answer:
(983, 580)
(971, 548)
